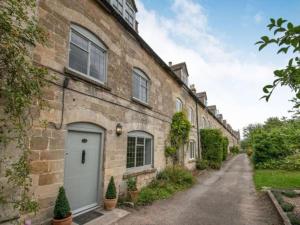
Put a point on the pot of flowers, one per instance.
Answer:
(110, 200)
(62, 211)
(132, 189)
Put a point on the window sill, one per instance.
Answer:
(134, 173)
(140, 102)
(81, 76)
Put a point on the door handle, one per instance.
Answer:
(83, 156)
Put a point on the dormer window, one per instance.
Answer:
(127, 9)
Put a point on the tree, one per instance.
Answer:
(21, 84)
(286, 37)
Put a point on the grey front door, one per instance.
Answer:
(82, 169)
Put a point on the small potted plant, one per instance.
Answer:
(132, 189)
(62, 211)
(110, 200)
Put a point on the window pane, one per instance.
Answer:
(139, 155)
(78, 59)
(143, 94)
(130, 152)
(148, 151)
(79, 41)
(97, 63)
(136, 84)
(140, 141)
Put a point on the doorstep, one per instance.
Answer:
(108, 217)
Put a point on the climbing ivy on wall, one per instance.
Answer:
(21, 84)
(179, 134)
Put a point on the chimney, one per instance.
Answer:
(170, 63)
(193, 88)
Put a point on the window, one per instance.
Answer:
(178, 105)
(87, 54)
(129, 14)
(118, 5)
(191, 115)
(192, 150)
(139, 149)
(140, 85)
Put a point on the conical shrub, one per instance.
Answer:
(62, 207)
(111, 192)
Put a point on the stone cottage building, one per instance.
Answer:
(110, 106)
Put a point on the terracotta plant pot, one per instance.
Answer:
(134, 195)
(66, 221)
(110, 204)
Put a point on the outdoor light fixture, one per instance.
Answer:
(119, 129)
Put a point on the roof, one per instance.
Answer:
(133, 5)
(153, 54)
(180, 66)
(201, 95)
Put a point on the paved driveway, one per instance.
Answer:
(225, 197)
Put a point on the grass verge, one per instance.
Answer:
(277, 179)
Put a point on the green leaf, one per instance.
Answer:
(266, 88)
(280, 21)
(259, 42)
(262, 46)
(272, 21)
(281, 29)
(265, 39)
(290, 26)
(285, 49)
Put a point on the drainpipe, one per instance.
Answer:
(198, 134)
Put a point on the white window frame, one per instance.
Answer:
(178, 105)
(192, 150)
(141, 75)
(144, 135)
(92, 39)
(125, 7)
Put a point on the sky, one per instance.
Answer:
(216, 40)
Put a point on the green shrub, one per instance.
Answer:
(270, 145)
(234, 150)
(131, 184)
(249, 151)
(291, 162)
(147, 195)
(294, 219)
(214, 165)
(287, 207)
(201, 164)
(167, 182)
(225, 147)
(278, 196)
(62, 207)
(111, 192)
(212, 146)
(290, 193)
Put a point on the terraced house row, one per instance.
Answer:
(111, 104)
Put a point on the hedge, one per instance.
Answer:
(212, 146)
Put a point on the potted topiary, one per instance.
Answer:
(110, 200)
(62, 211)
(132, 189)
